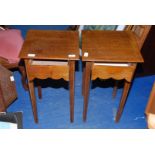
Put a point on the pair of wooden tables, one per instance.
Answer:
(52, 54)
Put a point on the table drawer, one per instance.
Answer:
(47, 69)
(115, 72)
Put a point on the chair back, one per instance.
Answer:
(140, 31)
(73, 27)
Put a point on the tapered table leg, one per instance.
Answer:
(39, 89)
(123, 100)
(39, 92)
(23, 77)
(115, 89)
(86, 89)
(71, 85)
(33, 100)
(83, 81)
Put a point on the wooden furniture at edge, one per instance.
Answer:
(112, 54)
(7, 88)
(147, 51)
(50, 54)
(19, 65)
(16, 65)
(150, 109)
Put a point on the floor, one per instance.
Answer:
(53, 108)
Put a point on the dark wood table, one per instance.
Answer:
(109, 54)
(50, 54)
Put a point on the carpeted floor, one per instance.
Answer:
(53, 109)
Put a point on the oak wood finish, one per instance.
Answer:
(123, 100)
(45, 71)
(33, 98)
(86, 86)
(50, 54)
(127, 27)
(71, 85)
(83, 78)
(140, 32)
(117, 73)
(112, 47)
(43, 42)
(115, 89)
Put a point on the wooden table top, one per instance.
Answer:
(110, 46)
(51, 45)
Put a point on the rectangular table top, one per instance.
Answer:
(51, 45)
(110, 46)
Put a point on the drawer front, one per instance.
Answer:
(54, 71)
(114, 72)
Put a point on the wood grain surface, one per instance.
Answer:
(48, 44)
(110, 46)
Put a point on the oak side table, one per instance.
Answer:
(50, 54)
(109, 54)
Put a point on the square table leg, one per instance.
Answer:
(33, 100)
(72, 87)
(115, 88)
(123, 100)
(87, 73)
(83, 80)
(31, 91)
